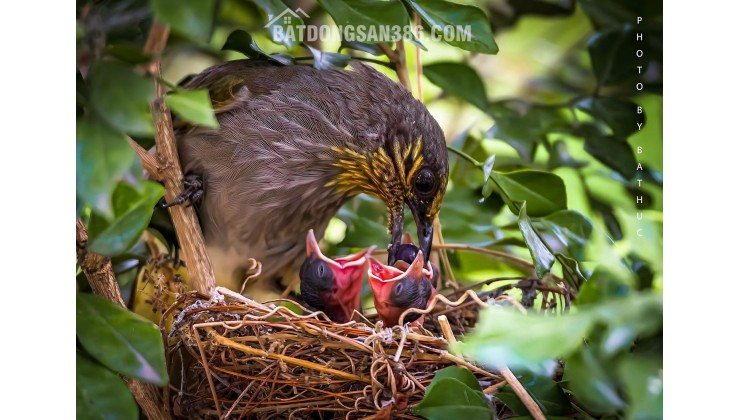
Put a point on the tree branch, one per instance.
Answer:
(168, 170)
(97, 269)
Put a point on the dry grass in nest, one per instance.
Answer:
(233, 357)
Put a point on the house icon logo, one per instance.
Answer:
(287, 17)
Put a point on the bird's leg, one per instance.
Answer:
(193, 184)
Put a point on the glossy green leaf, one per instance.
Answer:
(124, 197)
(242, 42)
(328, 60)
(643, 381)
(123, 232)
(190, 18)
(193, 106)
(459, 80)
(613, 152)
(450, 398)
(543, 389)
(373, 49)
(120, 339)
(588, 379)
(620, 115)
(565, 232)
(350, 14)
(612, 53)
(544, 192)
(101, 394)
(572, 271)
(472, 30)
(487, 169)
(282, 23)
(524, 131)
(505, 336)
(461, 374)
(102, 157)
(121, 97)
(541, 255)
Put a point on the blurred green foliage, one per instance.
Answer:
(543, 141)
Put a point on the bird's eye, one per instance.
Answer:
(321, 270)
(425, 183)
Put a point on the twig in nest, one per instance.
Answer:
(257, 267)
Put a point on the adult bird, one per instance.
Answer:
(398, 288)
(333, 285)
(294, 144)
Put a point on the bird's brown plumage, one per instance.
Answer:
(294, 144)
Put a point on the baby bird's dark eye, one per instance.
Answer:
(425, 183)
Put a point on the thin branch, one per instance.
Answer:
(500, 254)
(99, 273)
(200, 270)
(522, 393)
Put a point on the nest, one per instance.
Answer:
(231, 357)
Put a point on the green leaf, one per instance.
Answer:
(505, 336)
(120, 339)
(123, 232)
(612, 54)
(591, 384)
(373, 49)
(613, 152)
(190, 18)
(121, 97)
(459, 80)
(461, 374)
(101, 394)
(124, 197)
(525, 131)
(620, 115)
(643, 380)
(472, 31)
(448, 398)
(282, 24)
(572, 273)
(350, 14)
(327, 60)
(193, 106)
(102, 157)
(241, 41)
(543, 389)
(565, 232)
(541, 255)
(487, 169)
(544, 192)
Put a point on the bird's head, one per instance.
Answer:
(400, 157)
(397, 288)
(332, 285)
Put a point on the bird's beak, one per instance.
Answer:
(350, 261)
(424, 231)
(381, 273)
(313, 251)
